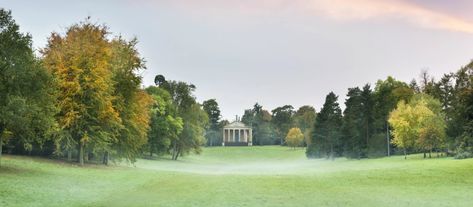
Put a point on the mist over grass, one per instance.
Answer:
(240, 176)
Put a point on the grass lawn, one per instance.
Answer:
(240, 176)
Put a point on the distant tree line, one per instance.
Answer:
(81, 98)
(422, 116)
(394, 117)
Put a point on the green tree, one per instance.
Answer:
(194, 118)
(386, 95)
(353, 126)
(26, 98)
(326, 133)
(165, 125)
(131, 102)
(294, 137)
(192, 136)
(304, 119)
(213, 133)
(260, 121)
(282, 121)
(460, 116)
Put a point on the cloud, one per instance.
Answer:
(397, 9)
(419, 14)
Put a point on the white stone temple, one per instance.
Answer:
(237, 134)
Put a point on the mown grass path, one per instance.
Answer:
(240, 176)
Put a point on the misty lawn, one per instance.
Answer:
(240, 176)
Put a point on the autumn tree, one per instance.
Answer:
(420, 124)
(404, 121)
(294, 137)
(26, 98)
(80, 62)
(130, 101)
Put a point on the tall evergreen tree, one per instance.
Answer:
(461, 123)
(353, 126)
(326, 132)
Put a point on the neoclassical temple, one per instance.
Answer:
(237, 134)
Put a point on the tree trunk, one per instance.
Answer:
(331, 151)
(430, 153)
(105, 158)
(173, 151)
(86, 156)
(69, 155)
(425, 155)
(81, 154)
(405, 154)
(1, 144)
(178, 153)
(367, 138)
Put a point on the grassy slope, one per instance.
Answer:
(240, 176)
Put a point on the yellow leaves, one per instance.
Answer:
(415, 124)
(294, 137)
(85, 138)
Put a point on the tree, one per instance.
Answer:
(304, 119)
(282, 120)
(387, 94)
(26, 99)
(213, 112)
(294, 137)
(80, 62)
(260, 121)
(165, 125)
(326, 133)
(192, 136)
(432, 134)
(131, 103)
(461, 113)
(404, 121)
(353, 126)
(194, 119)
(420, 124)
(367, 116)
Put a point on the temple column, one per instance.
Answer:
(232, 135)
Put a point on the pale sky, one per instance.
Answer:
(274, 52)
